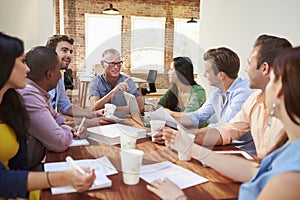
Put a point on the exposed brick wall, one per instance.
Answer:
(74, 24)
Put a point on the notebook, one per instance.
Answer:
(103, 168)
(135, 111)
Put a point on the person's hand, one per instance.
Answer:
(105, 120)
(82, 133)
(69, 122)
(168, 134)
(79, 181)
(178, 140)
(99, 113)
(158, 138)
(166, 190)
(122, 87)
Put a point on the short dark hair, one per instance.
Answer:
(40, 59)
(270, 47)
(223, 60)
(54, 39)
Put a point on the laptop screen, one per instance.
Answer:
(133, 108)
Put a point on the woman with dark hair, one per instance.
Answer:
(15, 179)
(278, 174)
(185, 95)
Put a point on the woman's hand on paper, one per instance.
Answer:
(79, 181)
(166, 190)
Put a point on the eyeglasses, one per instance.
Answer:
(112, 64)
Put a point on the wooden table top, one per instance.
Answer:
(218, 186)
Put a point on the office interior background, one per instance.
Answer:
(231, 23)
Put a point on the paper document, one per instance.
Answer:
(162, 114)
(233, 152)
(102, 166)
(182, 177)
(110, 134)
(81, 142)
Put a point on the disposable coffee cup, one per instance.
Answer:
(156, 126)
(128, 141)
(109, 110)
(131, 162)
(184, 156)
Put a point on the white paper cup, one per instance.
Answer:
(184, 156)
(156, 126)
(128, 141)
(131, 162)
(109, 110)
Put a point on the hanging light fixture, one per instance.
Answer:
(111, 10)
(192, 20)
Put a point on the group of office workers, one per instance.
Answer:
(260, 115)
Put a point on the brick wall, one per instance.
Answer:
(74, 24)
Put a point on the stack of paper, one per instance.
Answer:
(81, 142)
(102, 166)
(110, 134)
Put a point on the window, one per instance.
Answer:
(186, 42)
(101, 32)
(147, 44)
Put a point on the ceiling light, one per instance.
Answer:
(192, 20)
(111, 10)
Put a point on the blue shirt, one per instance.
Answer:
(284, 159)
(100, 87)
(59, 98)
(218, 111)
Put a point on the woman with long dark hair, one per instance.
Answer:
(15, 179)
(185, 95)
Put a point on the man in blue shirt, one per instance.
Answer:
(63, 46)
(228, 95)
(109, 86)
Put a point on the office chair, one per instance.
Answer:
(150, 82)
(68, 79)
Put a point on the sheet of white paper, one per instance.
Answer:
(162, 114)
(182, 177)
(81, 142)
(243, 153)
(102, 166)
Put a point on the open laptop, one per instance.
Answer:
(135, 111)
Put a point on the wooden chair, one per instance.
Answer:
(83, 90)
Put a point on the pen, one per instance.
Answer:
(70, 160)
(80, 126)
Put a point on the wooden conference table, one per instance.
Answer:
(218, 186)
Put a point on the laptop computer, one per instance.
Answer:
(135, 111)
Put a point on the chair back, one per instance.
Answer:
(152, 76)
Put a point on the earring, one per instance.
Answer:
(272, 113)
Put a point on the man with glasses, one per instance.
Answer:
(109, 86)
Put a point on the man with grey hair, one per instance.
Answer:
(109, 86)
